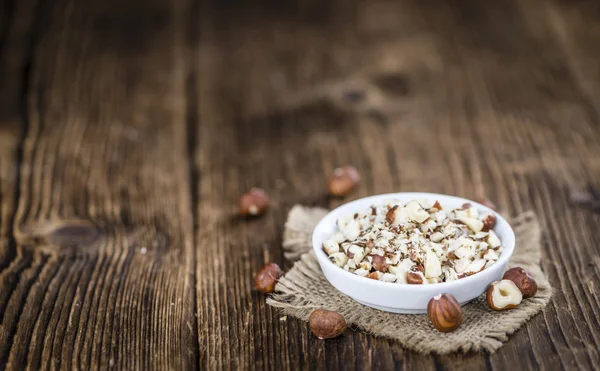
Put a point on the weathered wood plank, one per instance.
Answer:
(104, 254)
(285, 132)
(577, 29)
(529, 91)
(98, 263)
(464, 98)
(15, 54)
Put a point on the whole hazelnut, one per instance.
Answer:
(487, 203)
(266, 279)
(489, 223)
(523, 280)
(444, 312)
(254, 202)
(343, 181)
(326, 324)
(503, 295)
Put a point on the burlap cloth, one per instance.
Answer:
(304, 288)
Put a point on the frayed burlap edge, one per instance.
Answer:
(304, 288)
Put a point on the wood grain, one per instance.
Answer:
(16, 40)
(128, 130)
(484, 107)
(102, 270)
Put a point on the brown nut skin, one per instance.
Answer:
(489, 223)
(379, 263)
(390, 216)
(254, 202)
(523, 280)
(413, 278)
(373, 275)
(266, 279)
(343, 181)
(326, 324)
(444, 312)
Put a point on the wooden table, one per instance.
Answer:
(128, 130)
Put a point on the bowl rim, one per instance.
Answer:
(507, 252)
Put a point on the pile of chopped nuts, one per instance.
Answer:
(415, 243)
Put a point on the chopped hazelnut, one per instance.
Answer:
(379, 263)
(414, 278)
(414, 243)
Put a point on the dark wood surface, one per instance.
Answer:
(128, 130)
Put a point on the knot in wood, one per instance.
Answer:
(71, 234)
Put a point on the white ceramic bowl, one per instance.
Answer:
(404, 298)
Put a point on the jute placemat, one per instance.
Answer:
(304, 288)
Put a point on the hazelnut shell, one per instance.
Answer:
(445, 313)
(343, 181)
(266, 279)
(524, 281)
(254, 202)
(326, 324)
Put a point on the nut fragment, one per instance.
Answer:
(503, 295)
(331, 246)
(493, 240)
(326, 324)
(444, 312)
(379, 263)
(416, 212)
(437, 237)
(433, 267)
(490, 254)
(474, 267)
(254, 202)
(373, 275)
(339, 259)
(489, 223)
(343, 181)
(523, 280)
(267, 277)
(390, 216)
(414, 278)
(474, 224)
